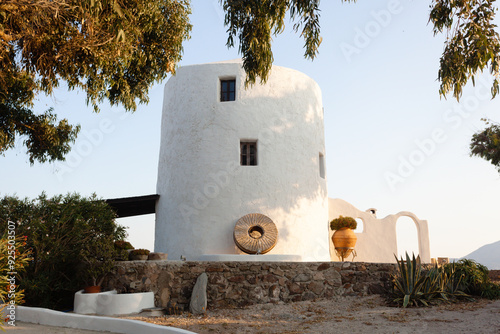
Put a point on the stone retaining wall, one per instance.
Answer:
(244, 283)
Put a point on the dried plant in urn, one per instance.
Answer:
(344, 239)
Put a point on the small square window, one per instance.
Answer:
(227, 90)
(248, 153)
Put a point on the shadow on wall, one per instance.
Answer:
(378, 241)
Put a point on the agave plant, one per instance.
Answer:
(414, 287)
(409, 282)
(454, 280)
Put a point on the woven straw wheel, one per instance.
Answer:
(255, 233)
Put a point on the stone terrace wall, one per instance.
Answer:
(244, 283)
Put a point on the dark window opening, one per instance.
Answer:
(227, 90)
(322, 165)
(248, 153)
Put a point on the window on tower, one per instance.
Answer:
(227, 90)
(321, 165)
(248, 153)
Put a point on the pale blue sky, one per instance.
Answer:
(391, 142)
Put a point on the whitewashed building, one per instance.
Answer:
(227, 152)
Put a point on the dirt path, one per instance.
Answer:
(343, 315)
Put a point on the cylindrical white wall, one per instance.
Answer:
(204, 190)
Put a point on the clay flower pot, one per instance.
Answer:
(344, 241)
(92, 289)
(138, 257)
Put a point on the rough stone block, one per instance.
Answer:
(198, 303)
(316, 287)
(274, 292)
(269, 278)
(255, 268)
(302, 278)
(252, 279)
(277, 271)
(256, 294)
(308, 295)
(214, 269)
(294, 288)
(318, 276)
(236, 279)
(323, 266)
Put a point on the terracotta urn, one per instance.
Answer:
(344, 241)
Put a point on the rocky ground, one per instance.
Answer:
(342, 315)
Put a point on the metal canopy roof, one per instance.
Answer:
(134, 206)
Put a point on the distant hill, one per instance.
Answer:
(488, 255)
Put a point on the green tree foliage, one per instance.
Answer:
(113, 50)
(254, 22)
(69, 238)
(472, 43)
(46, 140)
(486, 144)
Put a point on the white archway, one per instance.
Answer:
(407, 237)
(378, 241)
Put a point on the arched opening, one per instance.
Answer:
(360, 227)
(407, 237)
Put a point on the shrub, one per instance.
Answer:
(338, 223)
(122, 248)
(122, 244)
(13, 259)
(140, 251)
(475, 279)
(66, 235)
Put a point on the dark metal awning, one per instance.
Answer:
(134, 206)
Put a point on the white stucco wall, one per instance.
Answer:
(204, 190)
(378, 241)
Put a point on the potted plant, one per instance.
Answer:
(344, 239)
(122, 250)
(139, 254)
(98, 260)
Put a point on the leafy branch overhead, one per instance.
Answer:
(115, 50)
(254, 22)
(112, 50)
(472, 43)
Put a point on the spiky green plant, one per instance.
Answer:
(413, 286)
(409, 282)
